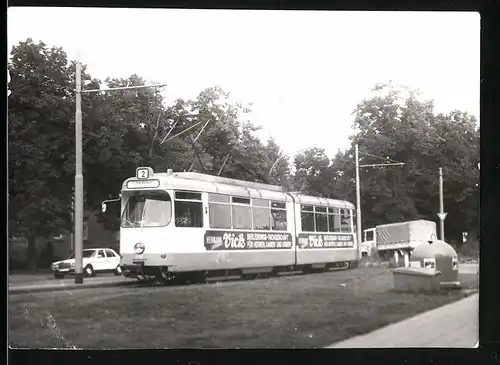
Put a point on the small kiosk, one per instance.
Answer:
(431, 262)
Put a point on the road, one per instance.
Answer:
(469, 268)
(47, 279)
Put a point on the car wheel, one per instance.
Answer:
(118, 270)
(89, 271)
(58, 276)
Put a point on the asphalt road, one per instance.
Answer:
(47, 279)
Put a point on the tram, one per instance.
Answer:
(194, 225)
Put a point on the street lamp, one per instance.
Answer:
(78, 166)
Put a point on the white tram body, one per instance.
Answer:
(187, 222)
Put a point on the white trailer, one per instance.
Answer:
(397, 238)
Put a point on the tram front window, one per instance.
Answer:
(147, 210)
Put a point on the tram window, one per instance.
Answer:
(187, 195)
(321, 222)
(220, 215)
(147, 210)
(307, 221)
(278, 205)
(188, 214)
(242, 217)
(308, 208)
(260, 203)
(334, 220)
(320, 209)
(218, 198)
(279, 222)
(345, 220)
(241, 200)
(261, 218)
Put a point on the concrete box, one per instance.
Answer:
(416, 279)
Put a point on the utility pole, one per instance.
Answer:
(441, 214)
(78, 242)
(358, 202)
(78, 178)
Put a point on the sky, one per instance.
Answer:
(304, 71)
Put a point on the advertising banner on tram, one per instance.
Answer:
(319, 240)
(234, 240)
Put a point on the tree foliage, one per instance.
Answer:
(391, 127)
(39, 107)
(38, 110)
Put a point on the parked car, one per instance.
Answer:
(95, 260)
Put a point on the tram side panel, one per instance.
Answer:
(185, 241)
(226, 249)
(209, 248)
(317, 248)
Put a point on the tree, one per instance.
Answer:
(406, 129)
(311, 169)
(280, 174)
(39, 109)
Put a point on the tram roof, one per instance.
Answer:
(226, 181)
(194, 181)
(314, 200)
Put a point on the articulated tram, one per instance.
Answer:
(194, 225)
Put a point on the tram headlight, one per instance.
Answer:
(139, 248)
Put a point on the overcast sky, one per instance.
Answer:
(305, 72)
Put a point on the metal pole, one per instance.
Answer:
(122, 88)
(358, 201)
(72, 243)
(224, 164)
(202, 129)
(78, 178)
(383, 164)
(441, 208)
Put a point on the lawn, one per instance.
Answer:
(303, 311)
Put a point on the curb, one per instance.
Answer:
(72, 286)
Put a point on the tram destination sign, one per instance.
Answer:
(306, 240)
(235, 241)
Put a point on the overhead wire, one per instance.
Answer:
(379, 157)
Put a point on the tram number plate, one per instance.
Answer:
(141, 263)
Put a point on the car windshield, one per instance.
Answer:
(86, 254)
(150, 209)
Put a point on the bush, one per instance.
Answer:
(468, 251)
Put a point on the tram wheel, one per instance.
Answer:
(165, 278)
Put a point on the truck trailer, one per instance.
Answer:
(397, 238)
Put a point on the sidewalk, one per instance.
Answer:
(66, 284)
(455, 325)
